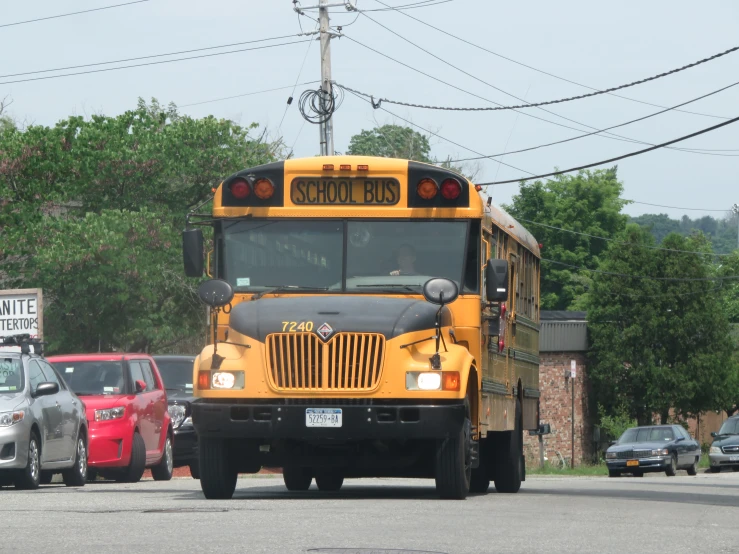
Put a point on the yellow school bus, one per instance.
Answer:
(370, 317)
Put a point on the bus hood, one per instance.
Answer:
(328, 315)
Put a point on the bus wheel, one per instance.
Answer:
(454, 461)
(329, 482)
(296, 478)
(217, 473)
(509, 457)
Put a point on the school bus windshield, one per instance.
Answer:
(343, 255)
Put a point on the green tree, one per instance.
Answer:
(588, 203)
(391, 141)
(658, 345)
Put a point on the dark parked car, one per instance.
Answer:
(177, 373)
(653, 448)
(725, 446)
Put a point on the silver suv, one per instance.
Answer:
(43, 429)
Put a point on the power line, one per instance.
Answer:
(72, 13)
(692, 151)
(426, 4)
(245, 94)
(615, 274)
(645, 296)
(616, 241)
(292, 94)
(558, 101)
(677, 207)
(154, 63)
(629, 155)
(124, 60)
(542, 71)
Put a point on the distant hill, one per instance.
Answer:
(722, 232)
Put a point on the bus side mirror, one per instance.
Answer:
(496, 280)
(192, 252)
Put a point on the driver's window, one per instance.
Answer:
(50, 374)
(137, 373)
(35, 375)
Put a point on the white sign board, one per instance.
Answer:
(573, 369)
(21, 312)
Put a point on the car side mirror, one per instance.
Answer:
(46, 389)
(192, 252)
(678, 439)
(612, 443)
(140, 386)
(440, 291)
(714, 434)
(496, 280)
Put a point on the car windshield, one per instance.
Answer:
(730, 427)
(91, 378)
(647, 434)
(177, 374)
(343, 256)
(11, 375)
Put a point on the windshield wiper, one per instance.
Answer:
(283, 288)
(390, 286)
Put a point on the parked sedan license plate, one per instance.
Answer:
(734, 458)
(631, 463)
(323, 417)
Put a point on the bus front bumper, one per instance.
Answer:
(397, 420)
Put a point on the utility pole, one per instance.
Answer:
(326, 127)
(735, 209)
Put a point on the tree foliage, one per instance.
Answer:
(658, 345)
(391, 141)
(589, 203)
(91, 210)
(722, 232)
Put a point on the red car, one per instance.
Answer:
(129, 426)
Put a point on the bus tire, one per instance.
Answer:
(509, 457)
(217, 473)
(454, 461)
(329, 482)
(296, 478)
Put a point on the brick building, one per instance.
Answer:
(562, 341)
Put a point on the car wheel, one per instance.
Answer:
(638, 474)
(693, 469)
(195, 469)
(296, 478)
(714, 469)
(137, 465)
(614, 473)
(734, 468)
(218, 474)
(329, 482)
(46, 477)
(453, 464)
(29, 477)
(510, 467)
(76, 475)
(163, 470)
(671, 470)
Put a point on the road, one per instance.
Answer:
(550, 514)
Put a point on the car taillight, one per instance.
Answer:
(264, 189)
(451, 189)
(240, 189)
(427, 188)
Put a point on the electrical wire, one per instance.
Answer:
(317, 106)
(608, 135)
(505, 153)
(615, 274)
(446, 32)
(645, 296)
(404, 7)
(616, 241)
(677, 207)
(292, 94)
(624, 156)
(72, 13)
(245, 94)
(153, 63)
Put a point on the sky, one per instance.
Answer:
(593, 43)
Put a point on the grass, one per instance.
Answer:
(599, 470)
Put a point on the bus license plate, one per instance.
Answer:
(323, 417)
(632, 463)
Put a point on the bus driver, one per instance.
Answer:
(406, 260)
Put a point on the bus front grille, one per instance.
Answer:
(303, 362)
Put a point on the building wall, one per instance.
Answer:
(556, 410)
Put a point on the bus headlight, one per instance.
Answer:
(415, 380)
(227, 380)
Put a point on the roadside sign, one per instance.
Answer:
(573, 368)
(21, 312)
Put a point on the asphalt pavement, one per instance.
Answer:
(548, 515)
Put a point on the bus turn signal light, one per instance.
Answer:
(264, 189)
(240, 189)
(451, 189)
(427, 188)
(451, 380)
(204, 380)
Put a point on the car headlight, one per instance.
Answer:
(611, 455)
(660, 452)
(715, 450)
(111, 413)
(177, 413)
(11, 418)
